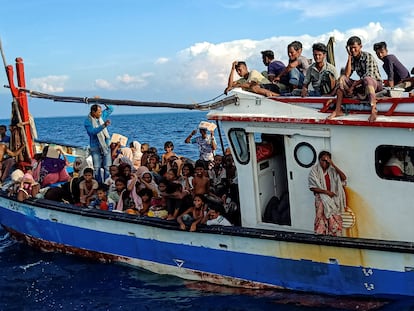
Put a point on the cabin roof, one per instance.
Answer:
(244, 106)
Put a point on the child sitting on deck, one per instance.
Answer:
(28, 186)
(113, 176)
(88, 187)
(120, 186)
(102, 201)
(193, 215)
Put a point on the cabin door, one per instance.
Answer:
(301, 154)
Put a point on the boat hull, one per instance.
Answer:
(227, 256)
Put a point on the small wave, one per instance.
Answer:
(5, 236)
(6, 244)
(30, 265)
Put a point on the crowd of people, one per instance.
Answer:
(317, 77)
(136, 179)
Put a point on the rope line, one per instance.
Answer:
(205, 105)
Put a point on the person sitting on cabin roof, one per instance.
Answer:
(395, 70)
(4, 138)
(364, 64)
(274, 68)
(252, 81)
(7, 160)
(297, 67)
(326, 182)
(321, 74)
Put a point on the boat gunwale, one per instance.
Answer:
(260, 233)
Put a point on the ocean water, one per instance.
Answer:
(34, 280)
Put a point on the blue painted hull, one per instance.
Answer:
(215, 256)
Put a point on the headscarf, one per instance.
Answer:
(125, 156)
(137, 154)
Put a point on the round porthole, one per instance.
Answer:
(305, 154)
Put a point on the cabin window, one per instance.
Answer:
(240, 144)
(394, 162)
(305, 154)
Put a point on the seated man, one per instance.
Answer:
(321, 74)
(7, 160)
(252, 81)
(4, 138)
(297, 68)
(370, 79)
(395, 70)
(274, 68)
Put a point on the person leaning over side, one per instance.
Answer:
(252, 81)
(96, 126)
(370, 82)
(321, 74)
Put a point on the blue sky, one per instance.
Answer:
(176, 51)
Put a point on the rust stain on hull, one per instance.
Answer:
(47, 246)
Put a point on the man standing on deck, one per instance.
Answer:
(96, 126)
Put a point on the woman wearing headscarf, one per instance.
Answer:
(136, 153)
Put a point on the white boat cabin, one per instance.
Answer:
(275, 143)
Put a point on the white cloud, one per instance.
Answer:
(162, 60)
(53, 84)
(103, 84)
(132, 82)
(206, 65)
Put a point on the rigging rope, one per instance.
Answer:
(117, 102)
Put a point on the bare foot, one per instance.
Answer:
(335, 114)
(373, 116)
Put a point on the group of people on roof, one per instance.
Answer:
(304, 77)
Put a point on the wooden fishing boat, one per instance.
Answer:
(374, 257)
